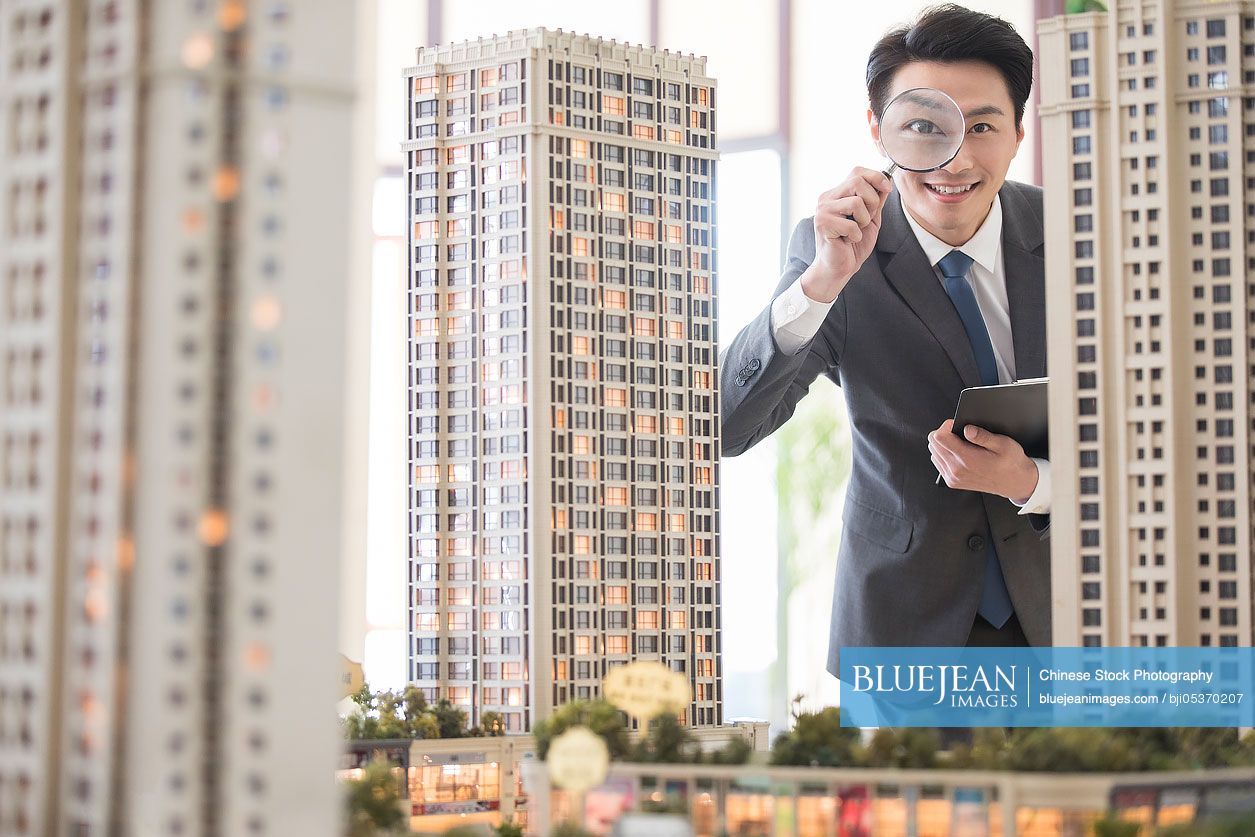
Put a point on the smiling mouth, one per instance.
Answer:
(951, 190)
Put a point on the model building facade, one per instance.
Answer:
(563, 413)
(1149, 156)
(170, 363)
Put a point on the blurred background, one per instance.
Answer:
(792, 122)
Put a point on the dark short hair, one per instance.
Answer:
(949, 34)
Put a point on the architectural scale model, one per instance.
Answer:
(173, 263)
(1148, 138)
(563, 408)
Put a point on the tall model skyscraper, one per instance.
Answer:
(173, 253)
(563, 377)
(1149, 163)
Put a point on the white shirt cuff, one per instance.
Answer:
(1039, 501)
(796, 318)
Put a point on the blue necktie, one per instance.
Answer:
(995, 602)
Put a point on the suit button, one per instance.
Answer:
(976, 543)
(740, 380)
(755, 365)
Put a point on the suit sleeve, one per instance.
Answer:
(760, 384)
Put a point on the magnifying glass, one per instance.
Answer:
(921, 130)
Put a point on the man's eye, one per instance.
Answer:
(982, 128)
(922, 126)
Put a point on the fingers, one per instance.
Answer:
(955, 469)
(989, 440)
(878, 180)
(944, 438)
(850, 208)
(866, 184)
(833, 225)
(853, 207)
(948, 453)
(973, 436)
(943, 468)
(980, 460)
(978, 436)
(862, 190)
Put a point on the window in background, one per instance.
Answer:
(749, 266)
(400, 27)
(740, 41)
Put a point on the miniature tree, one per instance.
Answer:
(373, 802)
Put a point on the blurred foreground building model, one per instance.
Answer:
(563, 409)
(1148, 138)
(173, 254)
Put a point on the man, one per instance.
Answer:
(903, 293)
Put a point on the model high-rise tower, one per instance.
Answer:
(563, 374)
(1149, 159)
(173, 253)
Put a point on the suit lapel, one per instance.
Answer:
(908, 270)
(1026, 283)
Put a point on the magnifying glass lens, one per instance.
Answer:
(922, 129)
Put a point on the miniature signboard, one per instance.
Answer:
(578, 760)
(646, 689)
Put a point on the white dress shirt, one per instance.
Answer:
(796, 318)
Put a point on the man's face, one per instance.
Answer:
(990, 143)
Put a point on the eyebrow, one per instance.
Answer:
(984, 110)
(930, 102)
(924, 100)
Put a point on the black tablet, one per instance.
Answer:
(1018, 410)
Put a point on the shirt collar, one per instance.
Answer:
(982, 247)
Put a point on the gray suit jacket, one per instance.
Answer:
(912, 552)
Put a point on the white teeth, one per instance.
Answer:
(951, 190)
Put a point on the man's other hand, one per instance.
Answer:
(982, 461)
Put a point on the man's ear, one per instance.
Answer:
(873, 125)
